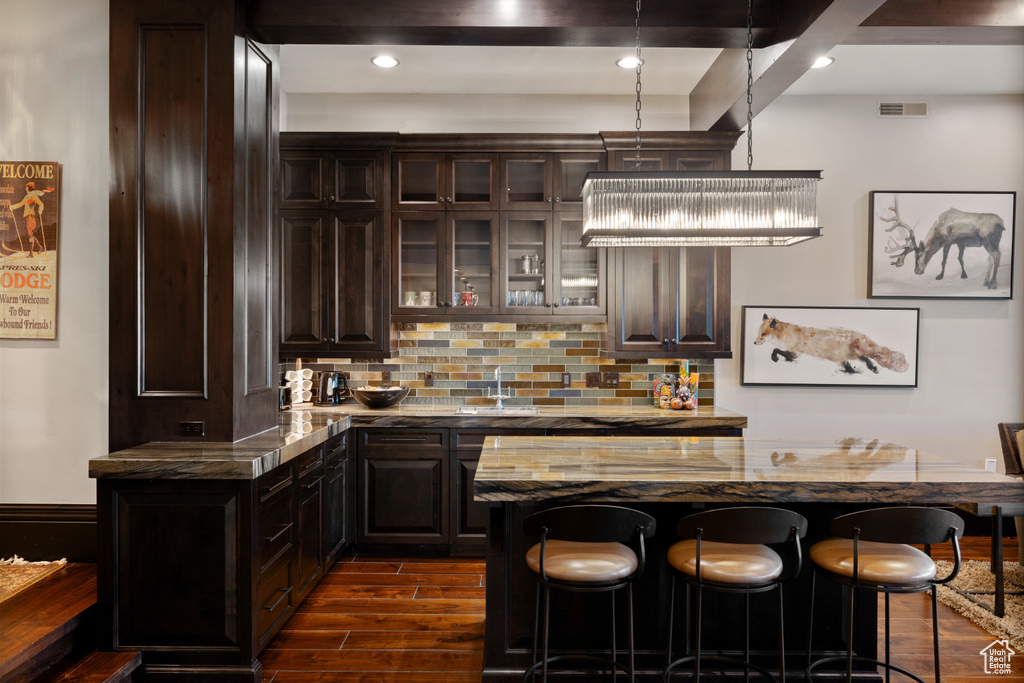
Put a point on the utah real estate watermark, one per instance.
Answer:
(997, 658)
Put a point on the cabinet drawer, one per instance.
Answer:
(273, 485)
(474, 438)
(274, 599)
(274, 532)
(310, 463)
(405, 439)
(337, 448)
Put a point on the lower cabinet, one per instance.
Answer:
(199, 575)
(403, 486)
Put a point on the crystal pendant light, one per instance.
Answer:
(700, 208)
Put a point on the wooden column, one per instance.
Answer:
(193, 144)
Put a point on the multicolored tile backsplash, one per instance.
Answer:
(463, 356)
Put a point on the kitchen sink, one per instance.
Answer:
(491, 410)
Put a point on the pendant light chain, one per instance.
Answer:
(639, 64)
(750, 84)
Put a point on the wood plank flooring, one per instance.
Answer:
(414, 620)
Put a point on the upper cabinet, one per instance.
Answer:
(431, 181)
(670, 302)
(333, 241)
(533, 181)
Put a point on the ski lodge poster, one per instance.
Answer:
(29, 222)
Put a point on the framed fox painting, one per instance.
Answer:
(816, 346)
(941, 245)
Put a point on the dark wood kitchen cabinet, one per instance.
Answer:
(333, 243)
(440, 181)
(199, 575)
(670, 302)
(403, 487)
(532, 181)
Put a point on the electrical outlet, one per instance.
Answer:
(990, 464)
(566, 380)
(609, 380)
(593, 380)
(385, 377)
(191, 428)
(428, 379)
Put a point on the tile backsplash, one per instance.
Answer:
(463, 356)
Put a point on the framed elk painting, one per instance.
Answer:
(941, 245)
(815, 346)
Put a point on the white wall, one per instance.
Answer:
(971, 352)
(480, 113)
(53, 107)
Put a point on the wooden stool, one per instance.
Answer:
(583, 548)
(871, 550)
(726, 550)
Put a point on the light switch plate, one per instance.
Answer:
(593, 380)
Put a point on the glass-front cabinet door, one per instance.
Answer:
(445, 263)
(579, 272)
(418, 257)
(429, 181)
(527, 255)
(471, 273)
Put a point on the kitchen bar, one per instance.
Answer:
(670, 477)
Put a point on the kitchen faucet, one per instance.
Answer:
(497, 376)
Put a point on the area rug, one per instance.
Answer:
(16, 574)
(975, 576)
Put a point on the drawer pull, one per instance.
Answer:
(271, 539)
(275, 488)
(315, 482)
(397, 439)
(334, 467)
(284, 592)
(310, 467)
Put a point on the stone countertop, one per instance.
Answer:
(728, 469)
(308, 426)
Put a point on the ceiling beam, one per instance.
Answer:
(939, 22)
(665, 23)
(719, 101)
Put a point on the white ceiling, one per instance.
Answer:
(858, 70)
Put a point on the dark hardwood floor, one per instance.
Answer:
(414, 620)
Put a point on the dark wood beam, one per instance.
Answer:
(718, 102)
(939, 22)
(665, 23)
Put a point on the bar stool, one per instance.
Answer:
(583, 548)
(871, 550)
(726, 550)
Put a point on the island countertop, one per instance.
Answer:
(728, 469)
(308, 426)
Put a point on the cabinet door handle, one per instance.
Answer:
(549, 200)
(285, 528)
(557, 199)
(440, 200)
(284, 594)
(310, 467)
(275, 488)
(557, 304)
(315, 482)
(674, 341)
(547, 305)
(440, 304)
(336, 466)
(448, 304)
(665, 341)
(449, 200)
(331, 198)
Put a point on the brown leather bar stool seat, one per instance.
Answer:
(872, 550)
(585, 548)
(728, 550)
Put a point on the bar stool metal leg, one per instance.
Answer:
(615, 652)
(782, 641)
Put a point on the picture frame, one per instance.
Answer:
(916, 240)
(829, 346)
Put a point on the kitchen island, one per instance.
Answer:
(670, 477)
(205, 549)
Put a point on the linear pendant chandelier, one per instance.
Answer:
(700, 208)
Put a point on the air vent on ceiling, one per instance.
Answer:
(905, 110)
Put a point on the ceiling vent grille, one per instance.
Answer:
(904, 110)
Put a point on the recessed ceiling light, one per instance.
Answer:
(385, 61)
(628, 62)
(822, 62)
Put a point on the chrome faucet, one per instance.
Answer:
(499, 397)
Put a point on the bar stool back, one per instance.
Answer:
(586, 548)
(872, 550)
(726, 550)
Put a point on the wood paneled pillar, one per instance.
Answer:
(193, 144)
